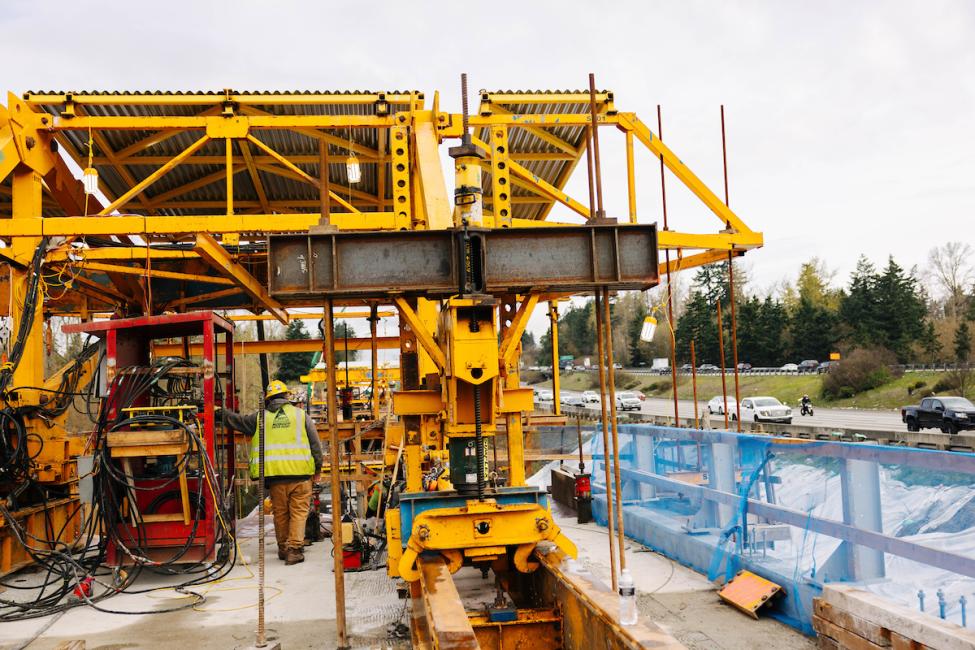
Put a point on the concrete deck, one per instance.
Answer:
(301, 607)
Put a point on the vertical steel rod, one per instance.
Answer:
(582, 460)
(731, 281)
(734, 336)
(694, 381)
(607, 450)
(724, 386)
(374, 352)
(553, 316)
(670, 292)
(600, 213)
(334, 475)
(630, 177)
(608, 329)
(261, 631)
(589, 170)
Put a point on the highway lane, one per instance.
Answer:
(869, 420)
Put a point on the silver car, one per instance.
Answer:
(765, 409)
(626, 401)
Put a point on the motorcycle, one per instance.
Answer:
(806, 409)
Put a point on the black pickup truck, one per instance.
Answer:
(950, 414)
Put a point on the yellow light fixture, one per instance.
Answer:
(90, 179)
(649, 329)
(352, 169)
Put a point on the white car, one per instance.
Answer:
(790, 367)
(590, 397)
(717, 405)
(572, 400)
(544, 395)
(627, 401)
(765, 409)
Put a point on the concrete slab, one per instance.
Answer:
(678, 599)
(300, 611)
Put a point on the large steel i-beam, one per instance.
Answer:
(571, 259)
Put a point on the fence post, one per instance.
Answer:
(645, 460)
(722, 477)
(860, 481)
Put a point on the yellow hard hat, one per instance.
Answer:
(276, 387)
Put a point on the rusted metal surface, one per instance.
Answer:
(58, 521)
(427, 263)
(533, 629)
(439, 619)
(610, 502)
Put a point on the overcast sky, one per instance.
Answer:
(850, 124)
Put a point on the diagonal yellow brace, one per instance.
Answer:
(299, 171)
(539, 132)
(512, 335)
(210, 249)
(8, 152)
(540, 184)
(152, 273)
(423, 336)
(156, 175)
(630, 122)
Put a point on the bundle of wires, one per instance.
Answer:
(75, 571)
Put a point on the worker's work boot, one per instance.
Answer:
(294, 556)
(282, 554)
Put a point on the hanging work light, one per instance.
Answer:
(352, 169)
(649, 328)
(90, 179)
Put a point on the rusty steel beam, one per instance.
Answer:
(427, 263)
(439, 618)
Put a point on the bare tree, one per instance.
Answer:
(953, 271)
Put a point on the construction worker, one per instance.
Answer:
(292, 461)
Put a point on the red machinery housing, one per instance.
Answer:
(162, 464)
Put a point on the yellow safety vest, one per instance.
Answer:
(286, 449)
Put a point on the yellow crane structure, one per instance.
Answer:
(273, 202)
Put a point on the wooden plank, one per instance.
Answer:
(146, 437)
(906, 622)
(826, 643)
(136, 451)
(844, 638)
(175, 516)
(871, 631)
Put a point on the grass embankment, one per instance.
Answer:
(788, 388)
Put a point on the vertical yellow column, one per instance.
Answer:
(500, 177)
(229, 156)
(27, 205)
(630, 176)
(553, 316)
(514, 432)
(429, 315)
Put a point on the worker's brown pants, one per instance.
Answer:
(290, 501)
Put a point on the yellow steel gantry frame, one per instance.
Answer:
(182, 240)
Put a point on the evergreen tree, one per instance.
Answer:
(698, 322)
(901, 311)
(813, 330)
(858, 307)
(963, 343)
(292, 365)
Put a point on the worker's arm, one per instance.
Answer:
(314, 443)
(244, 423)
